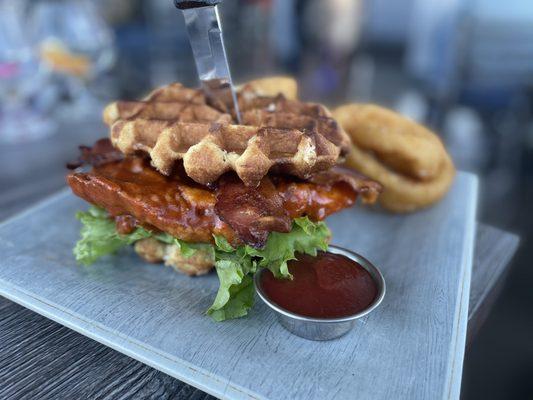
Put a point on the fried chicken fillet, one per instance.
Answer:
(136, 194)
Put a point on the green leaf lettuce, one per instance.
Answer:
(235, 266)
(99, 236)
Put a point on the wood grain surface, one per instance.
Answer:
(42, 359)
(156, 316)
(494, 251)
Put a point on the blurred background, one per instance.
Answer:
(463, 67)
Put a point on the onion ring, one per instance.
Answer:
(409, 160)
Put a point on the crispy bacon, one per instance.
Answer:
(102, 152)
(137, 194)
(251, 212)
(367, 188)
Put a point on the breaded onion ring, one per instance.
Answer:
(406, 158)
(273, 86)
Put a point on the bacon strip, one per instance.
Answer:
(367, 188)
(102, 152)
(251, 212)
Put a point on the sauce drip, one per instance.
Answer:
(326, 286)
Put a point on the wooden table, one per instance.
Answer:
(42, 359)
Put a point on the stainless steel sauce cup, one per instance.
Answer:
(325, 328)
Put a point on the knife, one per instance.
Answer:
(205, 34)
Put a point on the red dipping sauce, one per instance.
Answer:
(326, 286)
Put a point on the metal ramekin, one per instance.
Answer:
(324, 328)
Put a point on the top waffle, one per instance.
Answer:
(278, 132)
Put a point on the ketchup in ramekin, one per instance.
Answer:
(326, 286)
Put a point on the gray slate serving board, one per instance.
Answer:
(411, 347)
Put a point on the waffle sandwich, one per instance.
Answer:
(185, 184)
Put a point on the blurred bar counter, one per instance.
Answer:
(36, 169)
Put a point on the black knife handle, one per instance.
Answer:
(186, 4)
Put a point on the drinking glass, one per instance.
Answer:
(76, 44)
(23, 114)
